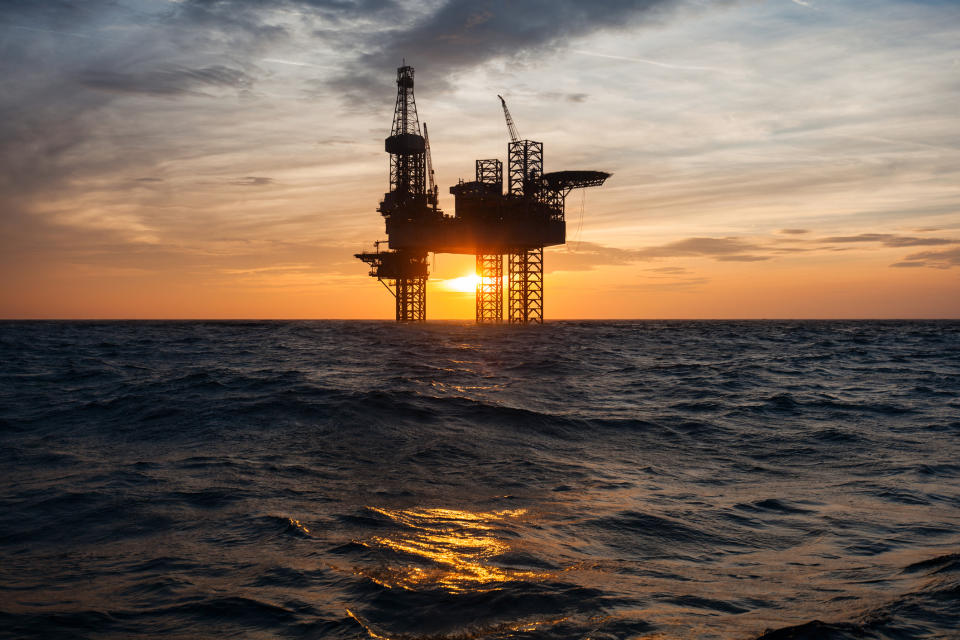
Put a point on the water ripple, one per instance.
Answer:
(581, 479)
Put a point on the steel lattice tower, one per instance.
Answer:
(525, 266)
(490, 172)
(411, 299)
(490, 288)
(524, 166)
(525, 286)
(406, 145)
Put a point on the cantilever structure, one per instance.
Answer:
(489, 222)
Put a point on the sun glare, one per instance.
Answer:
(464, 284)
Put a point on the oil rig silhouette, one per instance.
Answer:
(487, 223)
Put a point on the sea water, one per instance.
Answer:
(571, 480)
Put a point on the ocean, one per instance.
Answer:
(649, 479)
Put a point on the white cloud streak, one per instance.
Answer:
(655, 63)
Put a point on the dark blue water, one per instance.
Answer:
(575, 480)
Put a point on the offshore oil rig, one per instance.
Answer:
(488, 222)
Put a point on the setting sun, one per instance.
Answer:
(464, 284)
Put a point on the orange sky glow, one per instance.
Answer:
(770, 160)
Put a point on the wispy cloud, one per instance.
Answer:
(889, 240)
(655, 63)
(937, 259)
(464, 34)
(729, 248)
(588, 255)
(294, 63)
(166, 81)
(252, 181)
(672, 271)
(59, 33)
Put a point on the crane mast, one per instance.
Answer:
(433, 192)
(514, 136)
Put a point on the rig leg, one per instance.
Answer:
(490, 288)
(412, 300)
(525, 286)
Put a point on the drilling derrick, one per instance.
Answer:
(489, 223)
(404, 268)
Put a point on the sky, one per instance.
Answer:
(224, 158)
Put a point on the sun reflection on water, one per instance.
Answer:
(447, 549)
(296, 524)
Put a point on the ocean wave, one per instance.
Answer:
(928, 611)
(580, 479)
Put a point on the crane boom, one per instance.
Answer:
(432, 190)
(514, 136)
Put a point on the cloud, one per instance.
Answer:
(588, 255)
(730, 247)
(463, 34)
(252, 181)
(336, 10)
(166, 81)
(742, 258)
(670, 270)
(937, 259)
(655, 63)
(374, 36)
(794, 232)
(63, 120)
(555, 96)
(681, 284)
(889, 240)
(54, 15)
(239, 22)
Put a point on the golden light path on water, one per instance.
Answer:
(447, 549)
(455, 547)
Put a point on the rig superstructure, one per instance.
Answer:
(488, 222)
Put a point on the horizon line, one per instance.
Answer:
(505, 323)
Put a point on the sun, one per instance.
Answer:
(463, 284)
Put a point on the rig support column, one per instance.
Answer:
(525, 286)
(490, 288)
(411, 299)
